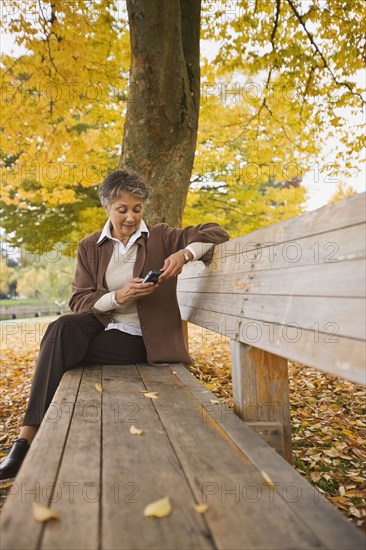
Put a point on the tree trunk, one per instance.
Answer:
(160, 131)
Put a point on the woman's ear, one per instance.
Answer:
(107, 210)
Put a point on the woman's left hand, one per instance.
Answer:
(173, 265)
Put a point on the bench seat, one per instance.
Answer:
(85, 464)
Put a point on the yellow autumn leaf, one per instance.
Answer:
(6, 485)
(135, 431)
(159, 509)
(42, 513)
(213, 401)
(99, 388)
(355, 512)
(201, 508)
(151, 394)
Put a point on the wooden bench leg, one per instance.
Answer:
(185, 332)
(261, 394)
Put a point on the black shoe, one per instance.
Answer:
(11, 464)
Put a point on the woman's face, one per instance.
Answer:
(126, 215)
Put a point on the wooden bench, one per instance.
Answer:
(85, 464)
(294, 290)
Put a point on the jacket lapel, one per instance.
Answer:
(106, 250)
(140, 256)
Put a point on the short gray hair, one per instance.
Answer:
(122, 181)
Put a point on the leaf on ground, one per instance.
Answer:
(42, 513)
(135, 431)
(159, 509)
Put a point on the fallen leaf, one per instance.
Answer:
(355, 512)
(42, 513)
(342, 490)
(151, 394)
(159, 509)
(315, 476)
(99, 388)
(214, 401)
(6, 485)
(135, 431)
(201, 508)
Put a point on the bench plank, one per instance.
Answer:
(317, 514)
(38, 473)
(331, 217)
(138, 470)
(342, 316)
(76, 496)
(337, 355)
(344, 279)
(323, 248)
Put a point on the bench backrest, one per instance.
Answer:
(295, 289)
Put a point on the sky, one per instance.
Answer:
(320, 185)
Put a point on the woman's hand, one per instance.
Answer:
(173, 265)
(133, 290)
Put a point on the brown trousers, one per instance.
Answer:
(70, 341)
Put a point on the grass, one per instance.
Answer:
(26, 302)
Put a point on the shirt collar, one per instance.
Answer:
(106, 233)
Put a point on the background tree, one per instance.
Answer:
(6, 278)
(342, 192)
(47, 279)
(292, 66)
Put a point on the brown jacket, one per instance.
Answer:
(159, 314)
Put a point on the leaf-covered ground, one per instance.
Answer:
(328, 413)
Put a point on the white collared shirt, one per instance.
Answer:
(122, 249)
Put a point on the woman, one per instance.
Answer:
(117, 318)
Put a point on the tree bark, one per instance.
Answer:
(160, 131)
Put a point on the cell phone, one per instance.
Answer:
(152, 277)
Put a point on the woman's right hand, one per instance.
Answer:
(133, 290)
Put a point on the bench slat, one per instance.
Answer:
(317, 514)
(344, 279)
(324, 248)
(138, 470)
(344, 357)
(331, 217)
(76, 497)
(343, 316)
(39, 470)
